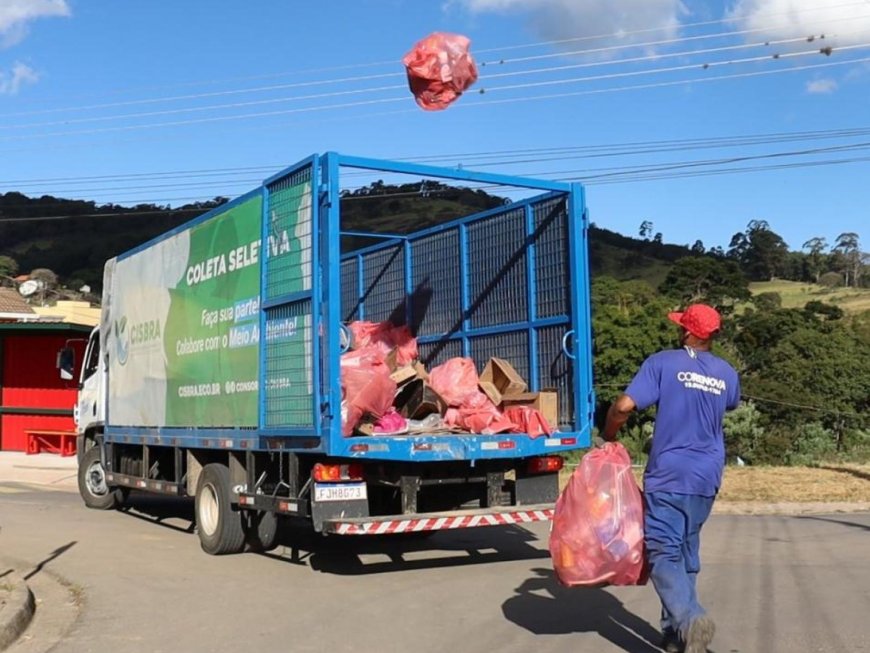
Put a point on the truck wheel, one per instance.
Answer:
(92, 483)
(261, 530)
(219, 526)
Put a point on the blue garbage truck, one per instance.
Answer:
(215, 371)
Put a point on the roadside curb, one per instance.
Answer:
(18, 612)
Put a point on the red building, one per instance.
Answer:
(32, 394)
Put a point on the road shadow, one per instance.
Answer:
(59, 551)
(857, 473)
(351, 555)
(833, 520)
(360, 555)
(544, 607)
(160, 509)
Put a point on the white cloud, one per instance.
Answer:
(821, 86)
(21, 74)
(16, 15)
(555, 20)
(842, 23)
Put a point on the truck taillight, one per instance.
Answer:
(323, 473)
(545, 464)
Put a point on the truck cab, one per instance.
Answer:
(89, 412)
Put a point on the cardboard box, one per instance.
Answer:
(404, 375)
(499, 380)
(421, 371)
(417, 399)
(546, 402)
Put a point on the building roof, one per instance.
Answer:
(70, 311)
(12, 302)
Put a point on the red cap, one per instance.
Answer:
(698, 319)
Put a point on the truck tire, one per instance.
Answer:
(95, 492)
(261, 530)
(219, 526)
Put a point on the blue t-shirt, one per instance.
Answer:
(692, 390)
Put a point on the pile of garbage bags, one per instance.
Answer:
(387, 390)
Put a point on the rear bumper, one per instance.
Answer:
(419, 523)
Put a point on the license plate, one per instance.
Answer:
(340, 491)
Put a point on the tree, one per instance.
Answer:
(767, 301)
(47, 279)
(743, 432)
(848, 247)
(628, 324)
(760, 251)
(46, 276)
(702, 278)
(804, 368)
(815, 260)
(698, 248)
(646, 229)
(8, 267)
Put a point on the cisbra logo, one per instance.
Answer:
(122, 340)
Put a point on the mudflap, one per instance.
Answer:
(536, 489)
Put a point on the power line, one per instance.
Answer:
(706, 23)
(611, 35)
(695, 80)
(657, 71)
(839, 413)
(373, 90)
(482, 103)
(500, 157)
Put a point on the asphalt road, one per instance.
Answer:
(773, 584)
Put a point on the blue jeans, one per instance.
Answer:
(672, 529)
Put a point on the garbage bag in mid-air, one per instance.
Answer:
(440, 69)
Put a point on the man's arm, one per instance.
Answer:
(617, 415)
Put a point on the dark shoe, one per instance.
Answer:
(700, 634)
(671, 642)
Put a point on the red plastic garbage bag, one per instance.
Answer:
(528, 420)
(385, 337)
(455, 380)
(479, 415)
(366, 386)
(597, 532)
(439, 69)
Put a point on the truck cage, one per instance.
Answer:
(511, 282)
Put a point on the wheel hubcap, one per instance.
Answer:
(96, 480)
(208, 510)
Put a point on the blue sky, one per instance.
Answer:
(97, 88)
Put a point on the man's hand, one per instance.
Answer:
(617, 415)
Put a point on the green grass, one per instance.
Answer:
(796, 294)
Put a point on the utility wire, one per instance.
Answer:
(706, 23)
(483, 103)
(658, 71)
(612, 35)
(482, 89)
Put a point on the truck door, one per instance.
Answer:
(89, 408)
(290, 292)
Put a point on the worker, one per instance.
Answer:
(692, 388)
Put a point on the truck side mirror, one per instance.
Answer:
(66, 363)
